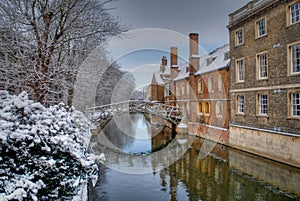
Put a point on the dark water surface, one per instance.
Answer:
(152, 163)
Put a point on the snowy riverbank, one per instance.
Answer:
(43, 150)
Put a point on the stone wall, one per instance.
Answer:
(279, 147)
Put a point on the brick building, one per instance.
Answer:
(200, 86)
(265, 78)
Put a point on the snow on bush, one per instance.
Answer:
(43, 150)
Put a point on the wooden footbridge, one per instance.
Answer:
(100, 113)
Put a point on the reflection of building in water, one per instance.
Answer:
(226, 175)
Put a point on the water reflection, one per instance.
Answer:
(224, 174)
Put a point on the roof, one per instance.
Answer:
(217, 60)
(208, 63)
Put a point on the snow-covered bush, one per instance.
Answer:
(43, 150)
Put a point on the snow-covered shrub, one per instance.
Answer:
(43, 150)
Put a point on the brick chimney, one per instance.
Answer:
(193, 68)
(173, 73)
(163, 64)
(194, 53)
(174, 62)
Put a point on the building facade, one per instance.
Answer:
(265, 78)
(200, 87)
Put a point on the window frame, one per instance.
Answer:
(220, 83)
(290, 105)
(257, 28)
(238, 111)
(238, 70)
(200, 83)
(211, 84)
(258, 66)
(237, 39)
(259, 106)
(206, 113)
(167, 90)
(200, 108)
(289, 13)
(219, 107)
(290, 59)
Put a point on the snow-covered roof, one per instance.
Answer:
(212, 61)
(183, 72)
(162, 77)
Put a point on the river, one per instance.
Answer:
(147, 162)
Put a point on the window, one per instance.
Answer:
(240, 70)
(200, 110)
(167, 90)
(295, 58)
(261, 27)
(219, 109)
(183, 88)
(263, 104)
(200, 85)
(241, 104)
(239, 39)
(295, 104)
(177, 89)
(262, 66)
(226, 56)
(295, 13)
(206, 108)
(210, 84)
(220, 83)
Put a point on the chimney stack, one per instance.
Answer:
(194, 53)
(174, 57)
(163, 64)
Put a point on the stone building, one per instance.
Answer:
(265, 79)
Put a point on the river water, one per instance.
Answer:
(147, 162)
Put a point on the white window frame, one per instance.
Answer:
(240, 104)
(295, 104)
(263, 104)
(262, 65)
(220, 83)
(239, 37)
(294, 13)
(240, 74)
(200, 85)
(295, 59)
(261, 29)
(211, 84)
(167, 90)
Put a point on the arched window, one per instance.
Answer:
(206, 108)
(219, 109)
(210, 84)
(200, 85)
(220, 83)
(183, 88)
(200, 110)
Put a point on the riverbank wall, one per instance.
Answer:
(281, 147)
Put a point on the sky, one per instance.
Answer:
(156, 25)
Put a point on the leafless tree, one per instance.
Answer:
(43, 42)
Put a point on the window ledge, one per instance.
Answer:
(293, 118)
(262, 36)
(240, 82)
(291, 24)
(294, 74)
(262, 79)
(238, 45)
(240, 114)
(262, 115)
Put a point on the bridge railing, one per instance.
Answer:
(99, 113)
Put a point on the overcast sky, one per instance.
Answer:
(176, 19)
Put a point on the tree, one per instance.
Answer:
(50, 39)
